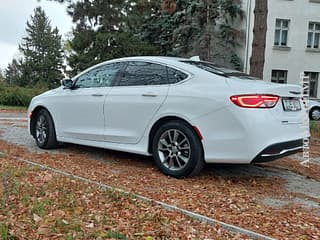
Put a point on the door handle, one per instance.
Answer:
(97, 95)
(149, 95)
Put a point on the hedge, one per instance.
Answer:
(18, 96)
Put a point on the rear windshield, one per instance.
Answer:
(219, 70)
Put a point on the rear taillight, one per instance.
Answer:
(255, 100)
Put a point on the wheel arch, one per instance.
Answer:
(165, 119)
(33, 118)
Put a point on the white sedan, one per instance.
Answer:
(181, 111)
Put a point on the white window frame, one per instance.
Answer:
(313, 31)
(282, 29)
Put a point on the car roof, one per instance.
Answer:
(159, 59)
(175, 62)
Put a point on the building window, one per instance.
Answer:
(281, 32)
(313, 77)
(279, 76)
(313, 35)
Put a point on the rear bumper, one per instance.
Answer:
(279, 150)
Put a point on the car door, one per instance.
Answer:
(132, 103)
(81, 107)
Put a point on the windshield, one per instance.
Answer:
(219, 70)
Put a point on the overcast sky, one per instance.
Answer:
(13, 17)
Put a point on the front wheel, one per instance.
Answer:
(177, 150)
(45, 134)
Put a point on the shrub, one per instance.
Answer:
(18, 96)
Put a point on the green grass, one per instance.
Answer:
(4, 232)
(40, 207)
(315, 128)
(114, 235)
(4, 107)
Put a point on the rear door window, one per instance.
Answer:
(143, 73)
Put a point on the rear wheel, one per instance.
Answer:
(45, 134)
(177, 150)
(315, 114)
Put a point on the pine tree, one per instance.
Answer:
(195, 27)
(13, 74)
(1, 76)
(117, 28)
(42, 52)
(103, 32)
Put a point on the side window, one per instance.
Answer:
(175, 76)
(102, 76)
(143, 73)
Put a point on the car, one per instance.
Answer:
(314, 110)
(183, 112)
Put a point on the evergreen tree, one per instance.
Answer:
(102, 32)
(42, 52)
(117, 28)
(13, 74)
(195, 27)
(1, 76)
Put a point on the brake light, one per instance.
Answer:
(255, 100)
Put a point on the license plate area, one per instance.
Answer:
(291, 104)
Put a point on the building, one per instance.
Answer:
(282, 41)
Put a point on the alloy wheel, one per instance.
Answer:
(41, 130)
(315, 114)
(174, 149)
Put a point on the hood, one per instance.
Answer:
(49, 92)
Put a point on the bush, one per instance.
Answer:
(18, 96)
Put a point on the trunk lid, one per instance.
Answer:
(289, 94)
(247, 86)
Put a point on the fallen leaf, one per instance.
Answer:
(59, 213)
(36, 218)
(90, 225)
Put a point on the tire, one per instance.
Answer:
(45, 134)
(314, 114)
(177, 150)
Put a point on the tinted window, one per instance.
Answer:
(207, 67)
(102, 76)
(143, 73)
(175, 76)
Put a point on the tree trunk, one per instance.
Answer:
(259, 38)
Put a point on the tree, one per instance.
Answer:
(102, 32)
(117, 28)
(42, 52)
(1, 76)
(13, 74)
(195, 27)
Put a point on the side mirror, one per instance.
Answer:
(67, 83)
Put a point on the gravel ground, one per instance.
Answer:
(13, 129)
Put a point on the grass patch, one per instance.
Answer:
(114, 235)
(4, 232)
(315, 128)
(19, 108)
(40, 207)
